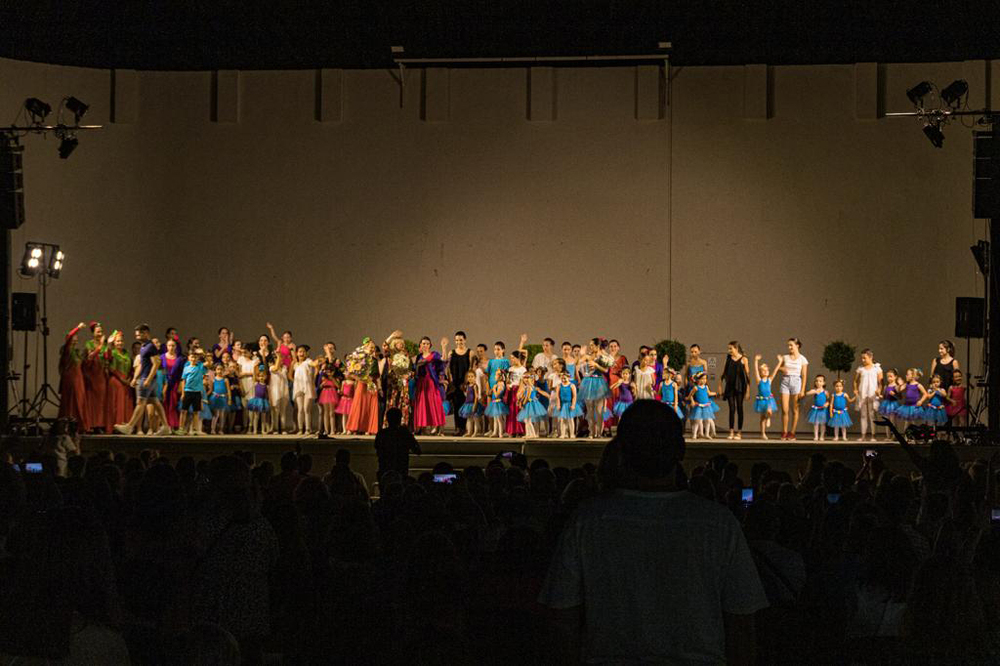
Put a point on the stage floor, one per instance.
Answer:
(790, 456)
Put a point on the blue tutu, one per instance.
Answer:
(935, 415)
(888, 408)
(564, 411)
(237, 404)
(592, 388)
(910, 413)
(258, 405)
(218, 402)
(467, 411)
(496, 408)
(447, 407)
(840, 419)
(817, 415)
(703, 412)
(532, 411)
(764, 403)
(620, 408)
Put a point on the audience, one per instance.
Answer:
(107, 559)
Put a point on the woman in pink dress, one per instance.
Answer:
(428, 408)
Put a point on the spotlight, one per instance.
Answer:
(981, 251)
(32, 260)
(918, 92)
(67, 144)
(37, 109)
(56, 260)
(952, 95)
(934, 134)
(77, 108)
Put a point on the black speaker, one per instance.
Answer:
(986, 170)
(970, 317)
(23, 308)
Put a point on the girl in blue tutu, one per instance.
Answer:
(258, 405)
(840, 418)
(593, 367)
(625, 392)
(764, 404)
(472, 409)
(531, 410)
(218, 402)
(890, 399)
(935, 402)
(702, 408)
(819, 412)
(912, 396)
(497, 410)
(566, 408)
(669, 393)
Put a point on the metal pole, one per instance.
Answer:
(5, 344)
(993, 332)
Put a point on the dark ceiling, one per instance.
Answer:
(225, 34)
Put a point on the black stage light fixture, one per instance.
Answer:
(918, 92)
(77, 108)
(934, 134)
(56, 260)
(981, 251)
(952, 95)
(37, 109)
(67, 144)
(31, 263)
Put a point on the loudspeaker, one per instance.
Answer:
(986, 170)
(970, 317)
(23, 308)
(11, 187)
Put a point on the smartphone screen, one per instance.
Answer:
(871, 453)
(33, 468)
(748, 495)
(996, 516)
(507, 454)
(17, 468)
(833, 498)
(445, 478)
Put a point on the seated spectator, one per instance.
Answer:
(393, 445)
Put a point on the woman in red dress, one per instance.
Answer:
(95, 377)
(614, 375)
(120, 398)
(428, 409)
(72, 390)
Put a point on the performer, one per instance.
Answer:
(795, 369)
(471, 409)
(362, 367)
(172, 365)
(459, 363)
(258, 406)
(428, 409)
(669, 392)
(645, 378)
(497, 410)
(218, 401)
(72, 388)
(819, 412)
(119, 400)
(95, 378)
(544, 358)
(890, 399)
(265, 355)
(566, 408)
(236, 397)
(593, 386)
(935, 402)
(303, 374)
(614, 375)
(148, 363)
(542, 385)
(515, 373)
(531, 411)
(957, 409)
(277, 395)
(329, 396)
(733, 386)
(623, 387)
(703, 408)
(192, 380)
(498, 362)
(764, 404)
(913, 394)
(945, 365)
(569, 361)
(225, 344)
(867, 388)
(840, 417)
(396, 368)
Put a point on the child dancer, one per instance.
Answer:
(702, 408)
(670, 392)
(625, 387)
(277, 394)
(765, 404)
(552, 380)
(343, 407)
(531, 409)
(867, 388)
(515, 427)
(890, 399)
(303, 375)
(957, 409)
(219, 400)
(913, 395)
(935, 400)
(206, 412)
(567, 409)
(645, 378)
(818, 413)
(235, 411)
(472, 409)
(542, 384)
(593, 386)
(497, 409)
(840, 418)
(328, 397)
(191, 387)
(258, 405)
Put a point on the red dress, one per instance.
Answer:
(95, 380)
(120, 398)
(614, 374)
(513, 426)
(72, 390)
(428, 408)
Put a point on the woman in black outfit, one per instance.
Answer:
(458, 364)
(945, 365)
(736, 377)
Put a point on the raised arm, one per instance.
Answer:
(756, 368)
(274, 336)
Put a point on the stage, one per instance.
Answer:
(462, 452)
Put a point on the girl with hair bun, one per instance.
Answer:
(945, 365)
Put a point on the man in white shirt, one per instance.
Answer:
(652, 572)
(545, 358)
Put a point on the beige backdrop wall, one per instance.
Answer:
(744, 208)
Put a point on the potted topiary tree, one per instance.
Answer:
(838, 356)
(675, 353)
(531, 351)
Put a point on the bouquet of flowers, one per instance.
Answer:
(360, 364)
(605, 359)
(400, 364)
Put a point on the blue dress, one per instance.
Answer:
(571, 371)
(565, 410)
(840, 418)
(625, 399)
(218, 400)
(765, 400)
(540, 385)
(890, 402)
(667, 393)
(533, 410)
(259, 402)
(497, 406)
(468, 408)
(593, 386)
(704, 409)
(935, 410)
(819, 411)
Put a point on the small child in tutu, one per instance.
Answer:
(764, 404)
(625, 392)
(913, 395)
(819, 412)
(567, 410)
(472, 409)
(544, 395)
(531, 409)
(328, 397)
(840, 418)
(219, 400)
(497, 409)
(935, 401)
(703, 409)
(890, 399)
(344, 405)
(669, 392)
(258, 405)
(957, 409)
(277, 395)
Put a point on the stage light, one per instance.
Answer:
(981, 251)
(37, 109)
(77, 108)
(32, 260)
(918, 92)
(67, 144)
(56, 260)
(934, 134)
(952, 95)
